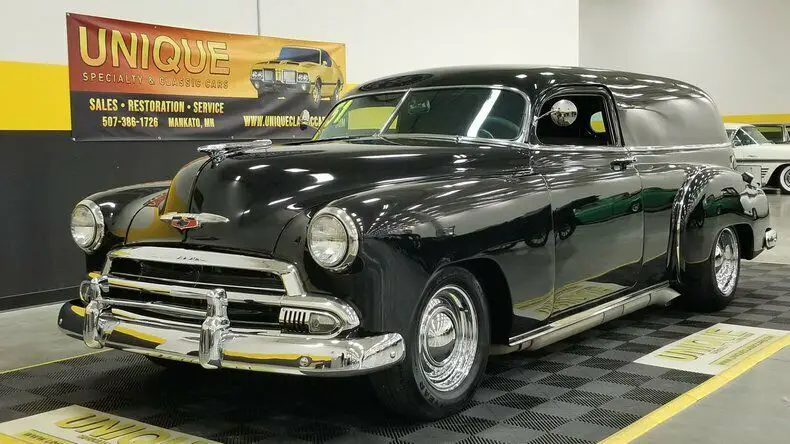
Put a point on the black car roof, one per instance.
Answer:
(532, 80)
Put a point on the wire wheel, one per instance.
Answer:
(448, 338)
(725, 261)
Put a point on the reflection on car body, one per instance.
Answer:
(435, 218)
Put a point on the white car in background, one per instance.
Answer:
(755, 154)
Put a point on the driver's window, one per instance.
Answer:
(591, 127)
(741, 138)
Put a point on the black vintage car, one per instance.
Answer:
(436, 217)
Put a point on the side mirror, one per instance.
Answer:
(304, 120)
(563, 112)
(324, 62)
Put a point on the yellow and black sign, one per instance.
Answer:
(139, 81)
(77, 424)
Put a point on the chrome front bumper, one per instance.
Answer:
(231, 349)
(771, 238)
(104, 318)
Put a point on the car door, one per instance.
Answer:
(595, 197)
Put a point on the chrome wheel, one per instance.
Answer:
(448, 338)
(784, 179)
(725, 261)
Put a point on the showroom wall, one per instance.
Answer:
(735, 50)
(44, 173)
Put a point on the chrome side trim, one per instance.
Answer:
(560, 329)
(238, 349)
(287, 272)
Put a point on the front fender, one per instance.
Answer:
(119, 206)
(409, 231)
(710, 199)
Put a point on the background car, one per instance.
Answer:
(753, 151)
(299, 70)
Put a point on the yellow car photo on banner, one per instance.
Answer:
(138, 81)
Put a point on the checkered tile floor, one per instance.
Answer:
(580, 390)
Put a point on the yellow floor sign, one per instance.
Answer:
(714, 349)
(77, 424)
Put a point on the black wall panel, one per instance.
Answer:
(42, 175)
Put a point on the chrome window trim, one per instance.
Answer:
(352, 232)
(524, 124)
(99, 218)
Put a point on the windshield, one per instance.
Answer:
(478, 112)
(756, 135)
(299, 54)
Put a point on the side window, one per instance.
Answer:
(774, 133)
(592, 126)
(741, 138)
(325, 58)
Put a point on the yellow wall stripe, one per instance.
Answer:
(34, 96)
(682, 402)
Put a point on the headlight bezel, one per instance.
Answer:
(352, 237)
(98, 218)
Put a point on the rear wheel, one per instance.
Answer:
(446, 350)
(710, 285)
(784, 179)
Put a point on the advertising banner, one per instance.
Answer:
(136, 81)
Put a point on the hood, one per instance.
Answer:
(259, 193)
(280, 63)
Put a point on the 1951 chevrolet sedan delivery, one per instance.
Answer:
(435, 218)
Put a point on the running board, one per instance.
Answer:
(585, 320)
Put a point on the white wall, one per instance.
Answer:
(736, 50)
(35, 30)
(389, 37)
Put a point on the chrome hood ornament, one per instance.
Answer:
(189, 221)
(220, 151)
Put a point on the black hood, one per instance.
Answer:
(261, 192)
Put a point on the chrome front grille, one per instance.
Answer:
(197, 276)
(289, 76)
(174, 284)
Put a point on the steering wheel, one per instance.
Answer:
(498, 125)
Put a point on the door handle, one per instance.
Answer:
(621, 163)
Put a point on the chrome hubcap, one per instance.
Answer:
(447, 338)
(725, 261)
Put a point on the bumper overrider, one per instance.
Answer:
(210, 338)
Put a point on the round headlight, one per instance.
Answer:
(87, 225)
(332, 239)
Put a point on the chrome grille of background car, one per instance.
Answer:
(289, 76)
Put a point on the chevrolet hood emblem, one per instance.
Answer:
(187, 221)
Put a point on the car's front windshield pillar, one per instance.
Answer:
(389, 120)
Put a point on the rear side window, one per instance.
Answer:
(774, 133)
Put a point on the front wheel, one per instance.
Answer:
(710, 285)
(784, 179)
(446, 350)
